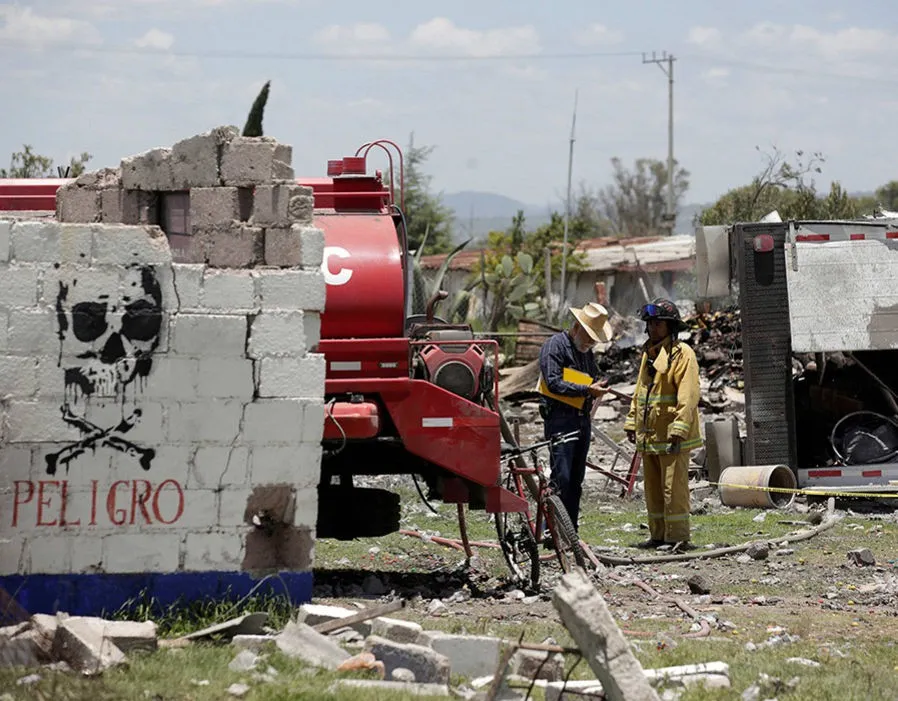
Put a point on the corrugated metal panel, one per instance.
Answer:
(843, 295)
(766, 347)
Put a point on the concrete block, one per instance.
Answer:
(18, 376)
(277, 334)
(283, 247)
(191, 335)
(312, 247)
(298, 465)
(216, 467)
(37, 422)
(129, 635)
(99, 179)
(15, 463)
(51, 554)
(230, 290)
(255, 643)
(270, 203)
(428, 665)
(77, 204)
(215, 551)
(5, 229)
(253, 161)
(234, 247)
(19, 648)
(313, 421)
(469, 655)
(311, 324)
(532, 664)
(41, 242)
(32, 331)
(195, 161)
(292, 377)
(300, 641)
(188, 282)
(397, 630)
(586, 616)
(141, 552)
(283, 153)
(225, 378)
(140, 207)
(217, 422)
(112, 203)
(151, 171)
(172, 379)
(82, 644)
(305, 514)
(118, 244)
(273, 421)
(232, 507)
(18, 285)
(291, 289)
(315, 614)
(213, 206)
(301, 207)
(82, 282)
(87, 553)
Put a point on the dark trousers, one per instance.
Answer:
(568, 460)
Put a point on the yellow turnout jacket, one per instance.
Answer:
(667, 404)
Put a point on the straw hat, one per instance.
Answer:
(594, 318)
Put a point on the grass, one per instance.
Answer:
(854, 645)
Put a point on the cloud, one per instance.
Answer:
(443, 35)
(598, 35)
(704, 36)
(22, 26)
(155, 39)
(337, 36)
(853, 42)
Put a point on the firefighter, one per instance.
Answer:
(663, 423)
(566, 405)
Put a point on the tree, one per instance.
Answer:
(636, 201)
(781, 185)
(253, 126)
(424, 212)
(887, 196)
(28, 164)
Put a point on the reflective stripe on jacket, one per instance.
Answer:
(666, 405)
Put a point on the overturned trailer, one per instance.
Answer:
(819, 305)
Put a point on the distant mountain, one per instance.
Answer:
(477, 213)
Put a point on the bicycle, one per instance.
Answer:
(522, 533)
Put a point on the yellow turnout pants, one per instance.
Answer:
(667, 495)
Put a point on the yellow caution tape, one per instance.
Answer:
(812, 492)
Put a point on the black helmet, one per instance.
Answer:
(660, 308)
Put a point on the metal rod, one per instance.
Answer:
(567, 209)
(360, 617)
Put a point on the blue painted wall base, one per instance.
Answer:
(95, 594)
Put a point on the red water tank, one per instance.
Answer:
(363, 270)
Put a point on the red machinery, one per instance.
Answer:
(404, 393)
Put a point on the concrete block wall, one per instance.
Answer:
(160, 421)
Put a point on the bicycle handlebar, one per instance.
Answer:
(557, 439)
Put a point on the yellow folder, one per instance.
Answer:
(568, 375)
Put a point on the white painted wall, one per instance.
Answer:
(230, 404)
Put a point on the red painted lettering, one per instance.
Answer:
(180, 509)
(93, 502)
(117, 516)
(18, 501)
(41, 502)
(140, 502)
(128, 503)
(65, 499)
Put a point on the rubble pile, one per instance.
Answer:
(717, 341)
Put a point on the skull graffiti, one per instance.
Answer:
(106, 342)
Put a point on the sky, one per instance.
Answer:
(490, 84)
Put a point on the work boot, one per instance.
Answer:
(681, 546)
(650, 544)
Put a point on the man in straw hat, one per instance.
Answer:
(566, 406)
(663, 423)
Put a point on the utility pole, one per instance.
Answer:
(567, 209)
(671, 215)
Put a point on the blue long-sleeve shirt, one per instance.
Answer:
(558, 353)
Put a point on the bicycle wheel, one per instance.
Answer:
(517, 542)
(567, 544)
